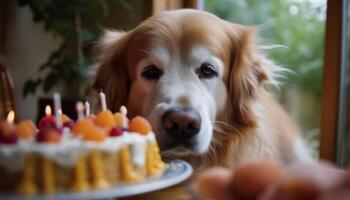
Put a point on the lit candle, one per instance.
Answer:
(80, 109)
(8, 129)
(57, 106)
(103, 101)
(87, 108)
(48, 120)
(7, 126)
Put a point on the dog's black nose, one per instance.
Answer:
(181, 124)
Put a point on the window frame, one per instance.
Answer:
(332, 116)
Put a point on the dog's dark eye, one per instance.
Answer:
(206, 71)
(151, 72)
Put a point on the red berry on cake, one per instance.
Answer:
(47, 122)
(116, 131)
(69, 124)
(50, 135)
(8, 137)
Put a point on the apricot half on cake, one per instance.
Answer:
(105, 119)
(140, 125)
(26, 129)
(119, 119)
(95, 134)
(88, 130)
(82, 126)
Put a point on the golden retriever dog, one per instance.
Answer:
(203, 84)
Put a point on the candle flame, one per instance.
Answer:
(11, 116)
(48, 111)
(123, 110)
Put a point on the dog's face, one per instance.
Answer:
(183, 70)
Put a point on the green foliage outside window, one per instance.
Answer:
(297, 25)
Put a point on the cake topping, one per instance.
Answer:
(68, 124)
(87, 108)
(48, 120)
(116, 131)
(140, 125)
(79, 107)
(103, 101)
(7, 130)
(81, 126)
(88, 130)
(118, 118)
(65, 118)
(58, 109)
(26, 129)
(105, 119)
(91, 117)
(47, 134)
(95, 134)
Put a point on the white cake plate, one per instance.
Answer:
(176, 172)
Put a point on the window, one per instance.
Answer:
(292, 34)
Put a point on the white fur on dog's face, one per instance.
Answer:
(180, 86)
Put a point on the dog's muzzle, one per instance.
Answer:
(181, 124)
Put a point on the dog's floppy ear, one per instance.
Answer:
(112, 75)
(247, 75)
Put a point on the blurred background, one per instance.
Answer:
(47, 46)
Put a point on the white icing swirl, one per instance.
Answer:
(66, 152)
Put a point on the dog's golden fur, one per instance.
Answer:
(250, 124)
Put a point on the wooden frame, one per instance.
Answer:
(3, 12)
(331, 81)
(159, 6)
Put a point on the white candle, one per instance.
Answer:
(57, 107)
(103, 101)
(87, 108)
(124, 112)
(79, 106)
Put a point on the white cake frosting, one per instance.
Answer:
(67, 151)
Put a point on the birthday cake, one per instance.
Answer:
(94, 152)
